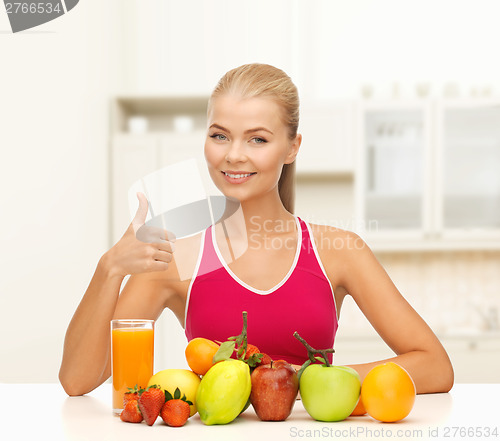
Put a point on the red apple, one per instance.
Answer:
(274, 390)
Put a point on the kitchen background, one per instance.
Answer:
(401, 124)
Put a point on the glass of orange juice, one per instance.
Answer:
(132, 355)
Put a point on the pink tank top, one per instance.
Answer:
(303, 301)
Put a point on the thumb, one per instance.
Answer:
(142, 211)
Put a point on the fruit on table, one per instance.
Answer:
(266, 359)
(170, 379)
(175, 413)
(274, 390)
(388, 392)
(150, 403)
(254, 356)
(175, 410)
(251, 350)
(329, 393)
(223, 392)
(359, 410)
(199, 354)
(132, 394)
(131, 412)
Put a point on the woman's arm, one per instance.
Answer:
(417, 348)
(85, 363)
(86, 360)
(85, 353)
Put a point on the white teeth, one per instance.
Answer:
(237, 176)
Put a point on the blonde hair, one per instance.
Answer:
(264, 80)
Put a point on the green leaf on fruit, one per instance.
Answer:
(224, 352)
(177, 394)
(321, 360)
(135, 389)
(254, 359)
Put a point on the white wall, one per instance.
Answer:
(329, 47)
(55, 82)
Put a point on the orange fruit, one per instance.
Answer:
(359, 409)
(388, 392)
(199, 354)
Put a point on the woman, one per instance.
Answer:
(288, 275)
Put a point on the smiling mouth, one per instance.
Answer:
(238, 175)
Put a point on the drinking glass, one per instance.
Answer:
(132, 356)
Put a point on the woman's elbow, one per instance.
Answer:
(72, 386)
(445, 373)
(449, 378)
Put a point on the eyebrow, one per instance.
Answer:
(256, 129)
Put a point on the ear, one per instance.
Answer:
(293, 149)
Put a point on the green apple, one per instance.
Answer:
(329, 393)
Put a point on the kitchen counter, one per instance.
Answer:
(28, 411)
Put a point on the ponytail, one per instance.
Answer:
(286, 187)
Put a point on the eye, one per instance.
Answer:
(218, 136)
(259, 140)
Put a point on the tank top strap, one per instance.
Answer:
(307, 247)
(209, 261)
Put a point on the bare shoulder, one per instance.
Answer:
(341, 252)
(331, 240)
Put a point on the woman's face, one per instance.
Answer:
(246, 146)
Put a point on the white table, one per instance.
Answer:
(468, 407)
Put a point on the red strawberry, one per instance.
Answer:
(150, 403)
(176, 410)
(131, 412)
(252, 356)
(175, 413)
(266, 359)
(132, 394)
(251, 349)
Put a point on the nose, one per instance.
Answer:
(235, 152)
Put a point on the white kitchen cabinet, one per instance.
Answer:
(132, 156)
(475, 359)
(175, 147)
(148, 133)
(427, 175)
(468, 140)
(393, 167)
(181, 47)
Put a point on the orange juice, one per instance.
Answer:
(132, 360)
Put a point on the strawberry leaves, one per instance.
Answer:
(254, 359)
(135, 390)
(177, 396)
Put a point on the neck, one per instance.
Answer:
(250, 216)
